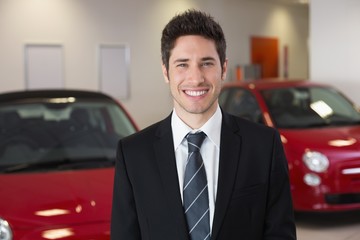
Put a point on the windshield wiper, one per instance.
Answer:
(300, 126)
(95, 162)
(320, 124)
(62, 164)
(343, 122)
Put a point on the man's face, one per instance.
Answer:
(195, 76)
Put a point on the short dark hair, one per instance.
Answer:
(192, 22)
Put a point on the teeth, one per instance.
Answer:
(195, 93)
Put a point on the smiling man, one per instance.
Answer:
(195, 75)
(200, 173)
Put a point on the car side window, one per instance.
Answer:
(242, 103)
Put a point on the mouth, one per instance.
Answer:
(193, 93)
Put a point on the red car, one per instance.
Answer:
(320, 131)
(57, 152)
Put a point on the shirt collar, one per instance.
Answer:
(212, 128)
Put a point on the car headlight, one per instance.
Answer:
(312, 179)
(316, 161)
(5, 230)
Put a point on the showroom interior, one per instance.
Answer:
(317, 40)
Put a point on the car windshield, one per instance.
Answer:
(48, 135)
(306, 107)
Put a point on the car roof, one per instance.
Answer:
(262, 84)
(51, 93)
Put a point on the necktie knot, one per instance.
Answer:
(195, 141)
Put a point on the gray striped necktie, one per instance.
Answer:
(196, 197)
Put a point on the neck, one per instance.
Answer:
(195, 120)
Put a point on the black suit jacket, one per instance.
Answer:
(253, 197)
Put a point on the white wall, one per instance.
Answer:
(81, 25)
(335, 44)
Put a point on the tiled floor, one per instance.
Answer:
(330, 226)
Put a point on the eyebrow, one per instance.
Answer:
(186, 59)
(181, 60)
(208, 59)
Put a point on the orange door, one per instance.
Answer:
(265, 52)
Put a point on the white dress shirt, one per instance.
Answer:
(210, 152)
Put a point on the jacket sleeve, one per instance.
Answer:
(124, 220)
(279, 223)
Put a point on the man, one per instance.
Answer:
(245, 191)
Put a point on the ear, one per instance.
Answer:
(165, 73)
(224, 70)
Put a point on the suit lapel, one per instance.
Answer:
(165, 157)
(229, 157)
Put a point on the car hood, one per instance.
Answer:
(347, 138)
(31, 200)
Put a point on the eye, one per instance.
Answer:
(181, 65)
(207, 64)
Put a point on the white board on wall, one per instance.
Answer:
(43, 66)
(114, 70)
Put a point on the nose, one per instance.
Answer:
(195, 74)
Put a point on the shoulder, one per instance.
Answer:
(244, 126)
(251, 133)
(256, 139)
(150, 133)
